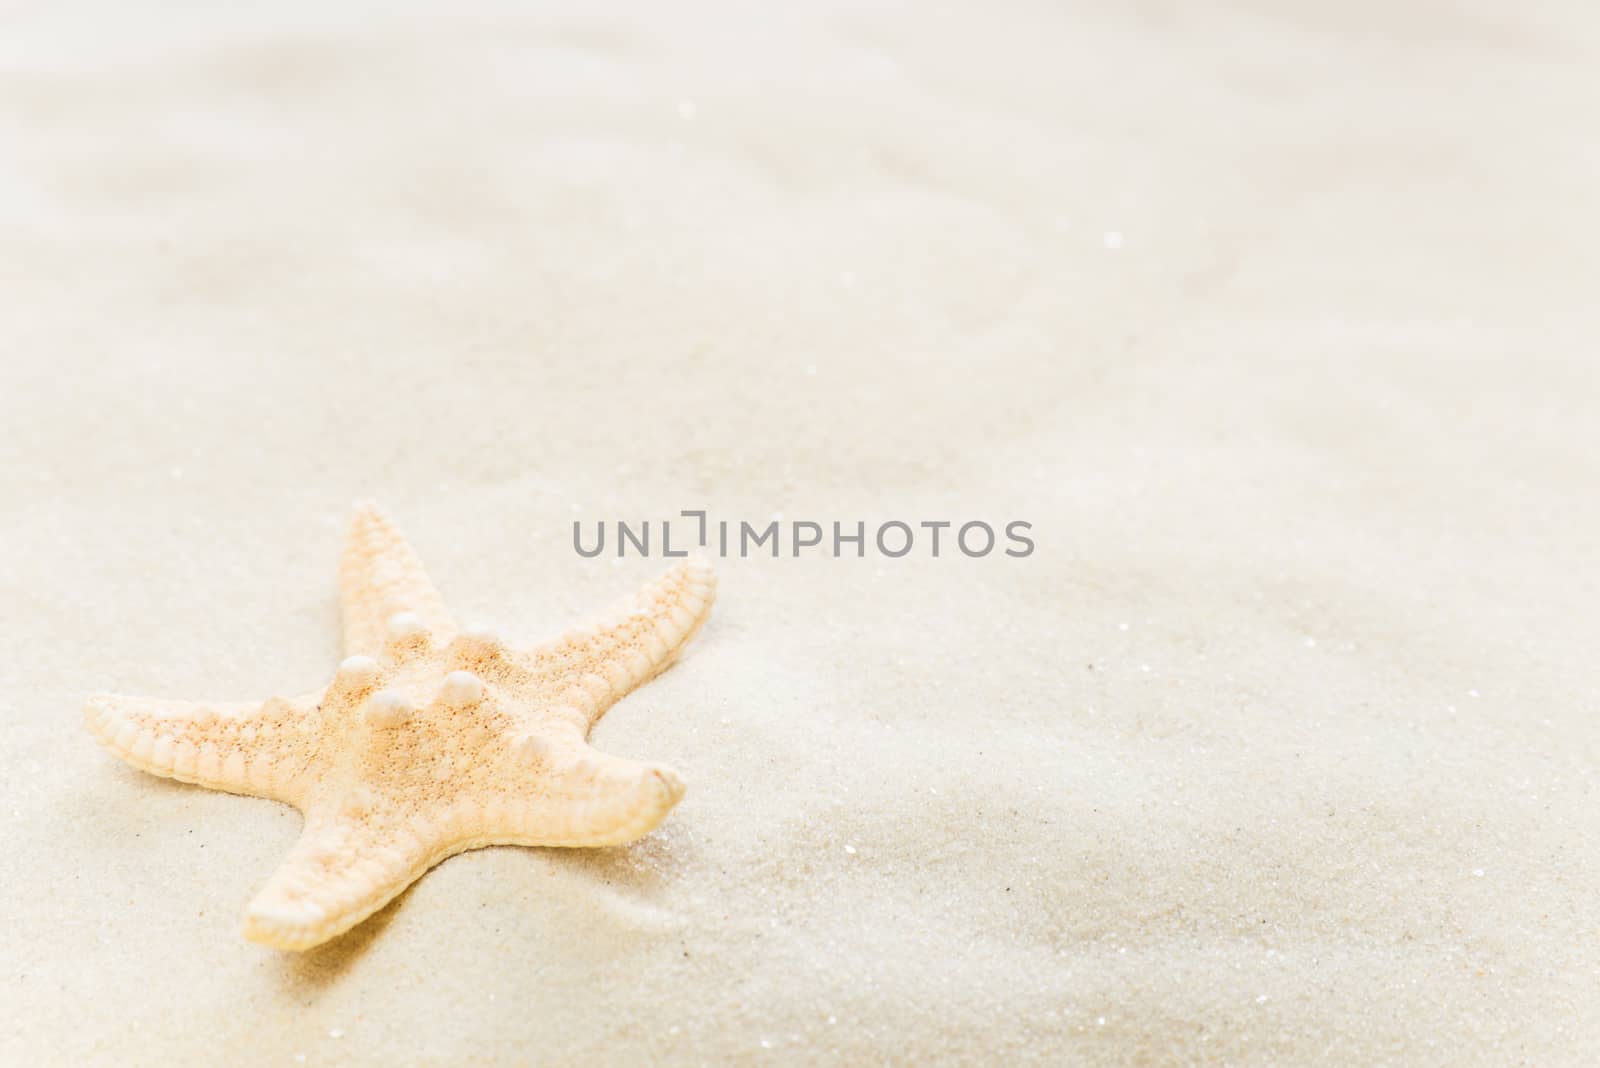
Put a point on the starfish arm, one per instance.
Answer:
(380, 576)
(583, 798)
(635, 643)
(261, 749)
(344, 868)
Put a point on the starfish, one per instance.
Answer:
(429, 741)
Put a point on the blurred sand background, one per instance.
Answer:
(1277, 320)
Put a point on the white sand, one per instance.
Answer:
(1282, 748)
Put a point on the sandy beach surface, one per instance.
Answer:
(1276, 320)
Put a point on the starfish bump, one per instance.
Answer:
(427, 742)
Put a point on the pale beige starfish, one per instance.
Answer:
(426, 743)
